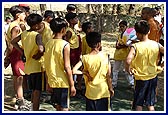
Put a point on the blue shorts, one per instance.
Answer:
(35, 81)
(145, 92)
(60, 96)
(97, 105)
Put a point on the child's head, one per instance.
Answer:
(142, 28)
(122, 26)
(18, 12)
(49, 15)
(34, 21)
(58, 25)
(71, 8)
(93, 39)
(87, 27)
(146, 13)
(7, 20)
(71, 18)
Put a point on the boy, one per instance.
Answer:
(120, 55)
(58, 69)
(142, 62)
(86, 28)
(32, 54)
(96, 71)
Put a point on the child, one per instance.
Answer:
(57, 61)
(32, 54)
(75, 43)
(120, 55)
(86, 28)
(13, 56)
(96, 71)
(142, 62)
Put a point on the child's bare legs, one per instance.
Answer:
(19, 87)
(138, 108)
(36, 99)
(151, 108)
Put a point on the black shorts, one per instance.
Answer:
(60, 96)
(35, 81)
(97, 105)
(145, 92)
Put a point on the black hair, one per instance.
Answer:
(16, 9)
(148, 10)
(142, 27)
(7, 18)
(34, 19)
(85, 26)
(123, 22)
(57, 24)
(93, 38)
(157, 8)
(71, 7)
(70, 16)
(49, 13)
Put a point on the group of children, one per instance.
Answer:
(53, 48)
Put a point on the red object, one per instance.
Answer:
(24, 5)
(16, 62)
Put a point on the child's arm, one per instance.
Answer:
(129, 59)
(68, 35)
(68, 70)
(15, 44)
(161, 49)
(109, 80)
(40, 47)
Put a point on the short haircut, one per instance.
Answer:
(93, 38)
(123, 22)
(49, 13)
(71, 7)
(147, 9)
(70, 16)
(85, 26)
(142, 27)
(25, 6)
(57, 24)
(34, 19)
(16, 9)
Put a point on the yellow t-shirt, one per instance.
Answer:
(54, 63)
(85, 48)
(121, 54)
(97, 66)
(30, 48)
(11, 26)
(47, 34)
(74, 42)
(144, 64)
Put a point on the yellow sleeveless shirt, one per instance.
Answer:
(54, 63)
(74, 42)
(144, 64)
(30, 48)
(97, 66)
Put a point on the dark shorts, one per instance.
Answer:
(16, 62)
(145, 92)
(60, 96)
(97, 105)
(35, 81)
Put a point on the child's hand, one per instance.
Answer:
(72, 91)
(111, 92)
(6, 62)
(48, 88)
(37, 56)
(88, 75)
